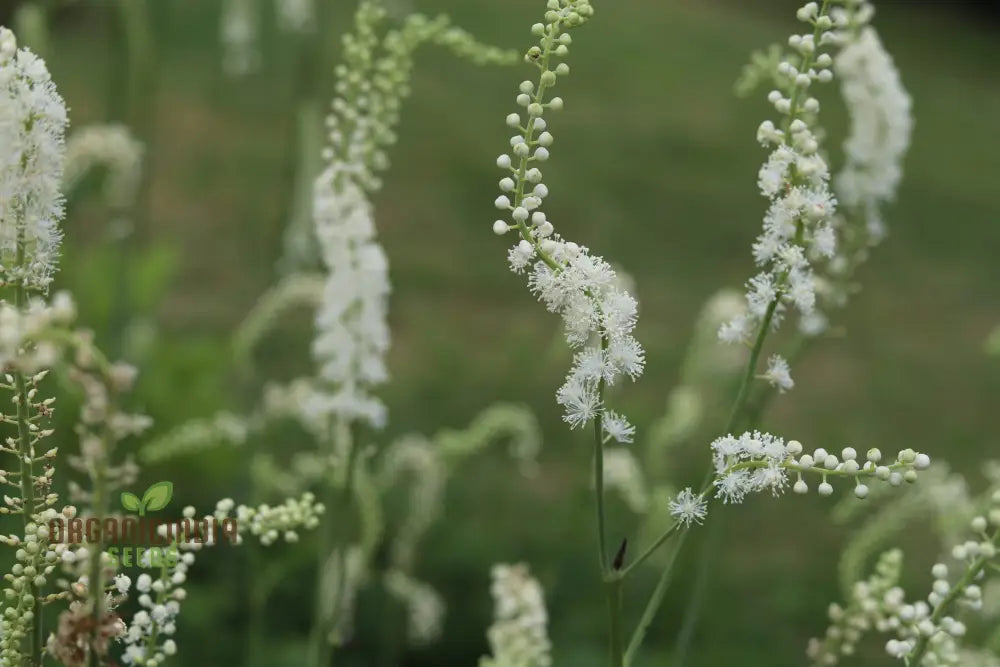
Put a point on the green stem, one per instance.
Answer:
(161, 597)
(602, 542)
(655, 600)
(614, 591)
(748, 375)
(337, 495)
(96, 576)
(660, 541)
(25, 458)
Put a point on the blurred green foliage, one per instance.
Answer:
(654, 165)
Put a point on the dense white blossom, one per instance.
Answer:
(598, 314)
(352, 335)
(32, 152)
(881, 125)
(798, 225)
(519, 634)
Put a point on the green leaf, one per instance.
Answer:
(130, 501)
(157, 496)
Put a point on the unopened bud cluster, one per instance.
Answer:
(268, 523)
(865, 611)
(755, 462)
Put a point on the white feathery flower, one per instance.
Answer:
(617, 427)
(688, 507)
(779, 374)
(881, 125)
(32, 137)
(519, 634)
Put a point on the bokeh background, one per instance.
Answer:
(654, 166)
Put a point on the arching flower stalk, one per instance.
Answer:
(352, 335)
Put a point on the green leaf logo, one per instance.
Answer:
(130, 501)
(155, 498)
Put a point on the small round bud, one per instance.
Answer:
(507, 184)
(979, 524)
(562, 69)
(922, 462)
(825, 489)
(849, 454)
(514, 120)
(504, 161)
(545, 139)
(830, 462)
(526, 87)
(861, 491)
(939, 571)
(500, 227)
(556, 104)
(541, 153)
(800, 487)
(523, 100)
(794, 447)
(502, 202)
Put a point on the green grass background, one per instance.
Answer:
(654, 167)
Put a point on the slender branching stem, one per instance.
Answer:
(653, 605)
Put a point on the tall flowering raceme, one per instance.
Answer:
(352, 335)
(877, 142)
(798, 226)
(598, 316)
(881, 120)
